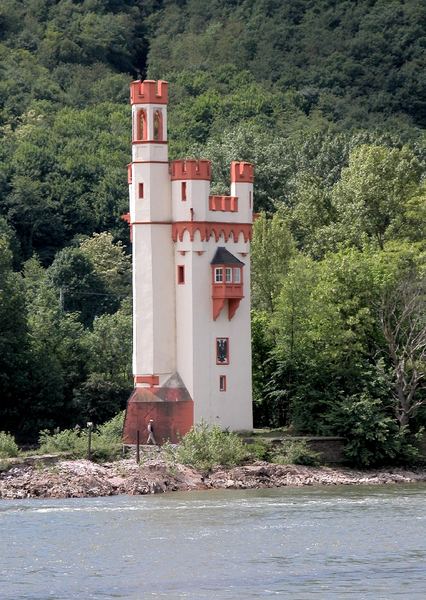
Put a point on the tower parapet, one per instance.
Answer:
(190, 169)
(242, 172)
(149, 92)
(223, 203)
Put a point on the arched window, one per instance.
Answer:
(158, 126)
(141, 129)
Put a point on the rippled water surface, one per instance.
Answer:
(358, 543)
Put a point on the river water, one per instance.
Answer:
(342, 542)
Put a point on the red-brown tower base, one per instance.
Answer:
(170, 407)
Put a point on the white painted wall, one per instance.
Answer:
(153, 300)
(156, 203)
(245, 206)
(197, 198)
(150, 152)
(196, 341)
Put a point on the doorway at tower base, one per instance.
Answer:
(170, 407)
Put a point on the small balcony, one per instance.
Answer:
(227, 285)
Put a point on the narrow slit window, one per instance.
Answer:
(218, 275)
(183, 190)
(141, 190)
(181, 274)
(228, 275)
(250, 199)
(237, 275)
(222, 383)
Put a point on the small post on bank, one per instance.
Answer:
(138, 455)
(89, 440)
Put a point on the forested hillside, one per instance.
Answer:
(326, 97)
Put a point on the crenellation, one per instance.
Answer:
(149, 92)
(190, 169)
(223, 203)
(242, 172)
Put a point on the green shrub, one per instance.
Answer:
(8, 446)
(258, 450)
(295, 452)
(204, 447)
(106, 441)
(113, 429)
(374, 438)
(68, 440)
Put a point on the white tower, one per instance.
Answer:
(191, 284)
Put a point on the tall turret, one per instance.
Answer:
(150, 218)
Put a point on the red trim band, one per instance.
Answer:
(149, 142)
(149, 379)
(207, 229)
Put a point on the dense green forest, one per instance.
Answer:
(326, 97)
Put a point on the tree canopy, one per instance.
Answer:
(326, 98)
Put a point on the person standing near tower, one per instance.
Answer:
(150, 429)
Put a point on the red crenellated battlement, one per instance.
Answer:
(149, 92)
(190, 169)
(223, 203)
(242, 172)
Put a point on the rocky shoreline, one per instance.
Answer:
(81, 478)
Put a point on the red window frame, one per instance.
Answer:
(183, 191)
(226, 361)
(222, 383)
(140, 190)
